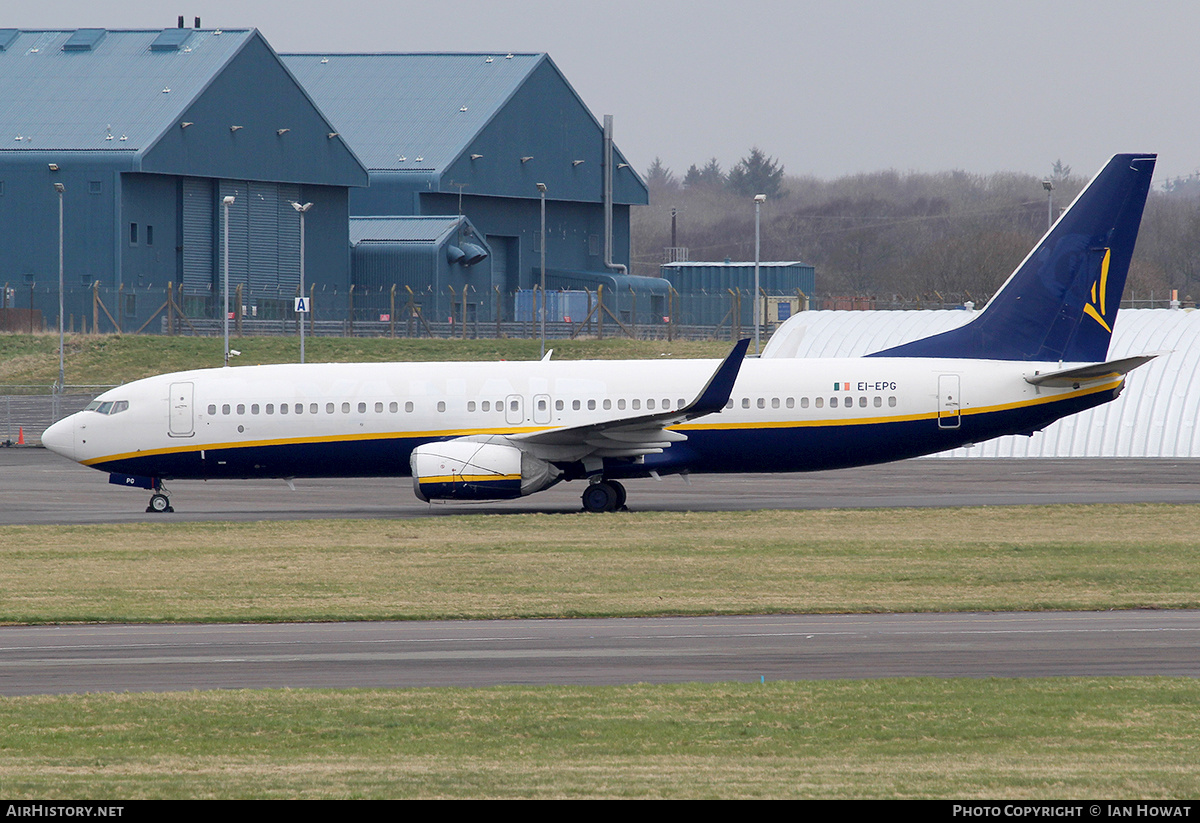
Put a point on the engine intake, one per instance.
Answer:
(470, 470)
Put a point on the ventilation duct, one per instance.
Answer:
(472, 254)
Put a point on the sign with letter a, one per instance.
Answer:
(301, 305)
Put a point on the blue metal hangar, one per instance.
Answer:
(449, 135)
(148, 132)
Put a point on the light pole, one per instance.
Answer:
(227, 202)
(60, 188)
(759, 199)
(542, 191)
(1049, 187)
(303, 210)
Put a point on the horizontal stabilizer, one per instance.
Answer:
(1095, 373)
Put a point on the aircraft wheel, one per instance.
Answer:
(600, 497)
(620, 490)
(159, 504)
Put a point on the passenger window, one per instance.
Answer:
(607, 404)
(212, 409)
(650, 403)
(394, 407)
(345, 407)
(254, 408)
(487, 406)
(408, 407)
(820, 401)
(591, 405)
(862, 402)
(313, 408)
(379, 408)
(470, 405)
(225, 409)
(762, 402)
(283, 408)
(791, 402)
(878, 402)
(541, 405)
(441, 405)
(637, 404)
(299, 408)
(362, 408)
(621, 403)
(804, 402)
(745, 402)
(891, 401)
(558, 405)
(774, 402)
(329, 408)
(575, 405)
(833, 403)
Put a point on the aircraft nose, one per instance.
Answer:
(60, 437)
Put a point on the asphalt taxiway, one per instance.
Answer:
(37, 486)
(67, 659)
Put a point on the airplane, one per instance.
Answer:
(490, 431)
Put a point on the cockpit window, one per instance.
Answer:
(108, 406)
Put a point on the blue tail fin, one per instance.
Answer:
(1061, 302)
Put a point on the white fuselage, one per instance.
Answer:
(363, 419)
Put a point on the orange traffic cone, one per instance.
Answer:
(20, 436)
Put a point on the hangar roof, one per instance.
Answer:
(192, 102)
(411, 111)
(436, 114)
(404, 229)
(100, 90)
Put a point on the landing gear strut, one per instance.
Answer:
(604, 496)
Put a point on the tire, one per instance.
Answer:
(159, 504)
(599, 497)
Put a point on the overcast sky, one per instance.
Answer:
(828, 88)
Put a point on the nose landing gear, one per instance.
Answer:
(160, 502)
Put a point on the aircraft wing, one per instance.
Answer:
(637, 435)
(1094, 373)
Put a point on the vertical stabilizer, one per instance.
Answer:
(1061, 302)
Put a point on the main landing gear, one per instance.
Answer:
(604, 496)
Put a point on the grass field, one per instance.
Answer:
(908, 738)
(536, 565)
(111, 359)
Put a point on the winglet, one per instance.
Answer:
(720, 386)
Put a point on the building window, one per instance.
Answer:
(133, 234)
(95, 187)
(149, 235)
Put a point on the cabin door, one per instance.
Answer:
(181, 410)
(949, 403)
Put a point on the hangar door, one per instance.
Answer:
(264, 236)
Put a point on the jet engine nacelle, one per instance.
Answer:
(471, 470)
